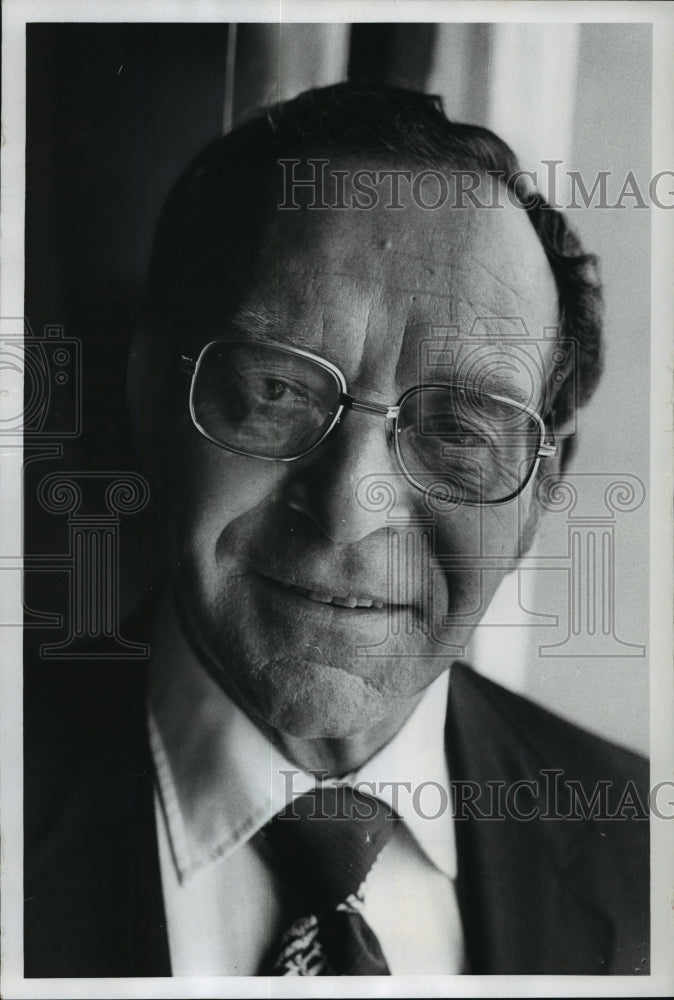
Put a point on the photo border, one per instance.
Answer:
(16, 13)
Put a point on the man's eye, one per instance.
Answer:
(270, 389)
(474, 440)
(450, 431)
(273, 389)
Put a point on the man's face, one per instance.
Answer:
(367, 291)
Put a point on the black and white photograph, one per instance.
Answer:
(336, 548)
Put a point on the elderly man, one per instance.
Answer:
(363, 349)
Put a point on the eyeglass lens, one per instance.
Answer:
(467, 445)
(269, 402)
(263, 401)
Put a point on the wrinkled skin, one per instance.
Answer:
(362, 289)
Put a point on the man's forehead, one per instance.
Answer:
(447, 230)
(435, 247)
(365, 288)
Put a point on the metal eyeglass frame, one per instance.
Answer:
(348, 402)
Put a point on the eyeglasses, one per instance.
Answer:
(451, 440)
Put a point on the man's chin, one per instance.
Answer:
(302, 699)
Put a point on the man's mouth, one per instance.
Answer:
(350, 600)
(358, 598)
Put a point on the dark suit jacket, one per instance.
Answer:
(539, 895)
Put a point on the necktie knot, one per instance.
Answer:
(329, 839)
(326, 842)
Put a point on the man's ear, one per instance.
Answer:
(552, 469)
(567, 449)
(566, 438)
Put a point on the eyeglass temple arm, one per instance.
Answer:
(549, 448)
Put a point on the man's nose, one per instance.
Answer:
(351, 485)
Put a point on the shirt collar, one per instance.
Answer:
(410, 774)
(220, 779)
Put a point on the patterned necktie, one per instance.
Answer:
(325, 842)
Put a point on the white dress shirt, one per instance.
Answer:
(220, 780)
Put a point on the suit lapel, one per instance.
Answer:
(522, 885)
(520, 882)
(94, 900)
